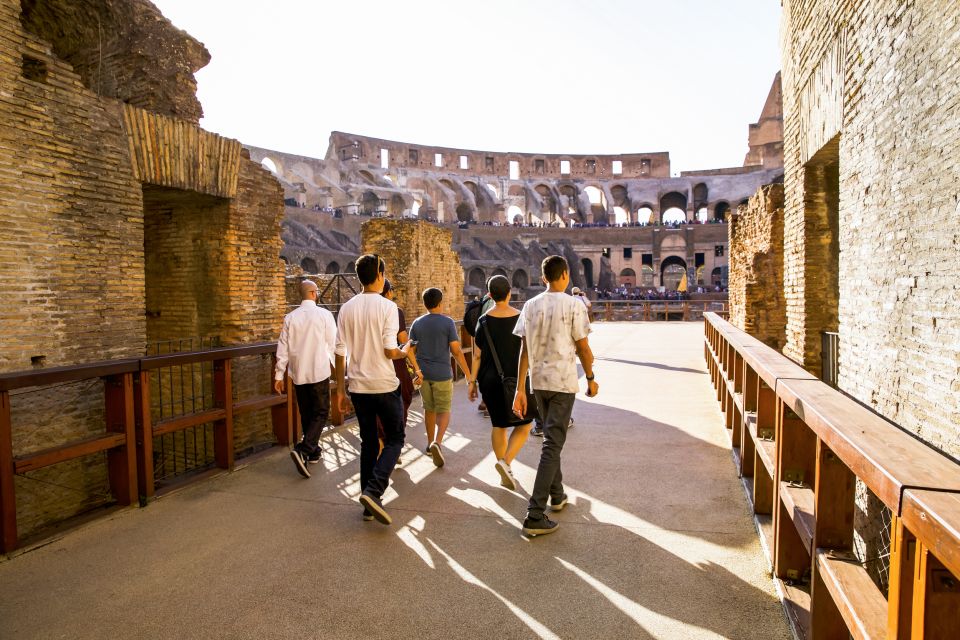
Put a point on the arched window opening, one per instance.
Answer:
(351, 267)
(515, 214)
(674, 215)
(499, 271)
(309, 265)
(333, 267)
(463, 212)
(620, 215)
(672, 270)
(644, 215)
(702, 214)
(477, 278)
(269, 165)
(628, 278)
(720, 211)
(716, 277)
(520, 279)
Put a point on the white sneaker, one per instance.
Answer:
(436, 453)
(506, 475)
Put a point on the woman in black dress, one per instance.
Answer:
(495, 331)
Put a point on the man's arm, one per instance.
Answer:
(339, 372)
(586, 361)
(520, 397)
(281, 368)
(461, 361)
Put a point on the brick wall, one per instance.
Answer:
(871, 97)
(756, 267)
(418, 255)
(76, 281)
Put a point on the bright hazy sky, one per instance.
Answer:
(547, 76)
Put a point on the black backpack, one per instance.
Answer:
(472, 315)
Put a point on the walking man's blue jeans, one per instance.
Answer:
(375, 471)
(555, 409)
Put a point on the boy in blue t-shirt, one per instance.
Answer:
(433, 337)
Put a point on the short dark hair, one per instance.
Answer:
(432, 298)
(499, 288)
(368, 266)
(553, 268)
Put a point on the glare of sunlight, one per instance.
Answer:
(538, 628)
(408, 534)
(656, 624)
(480, 500)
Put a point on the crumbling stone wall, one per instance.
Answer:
(78, 275)
(756, 267)
(418, 256)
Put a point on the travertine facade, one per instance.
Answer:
(756, 267)
(123, 222)
(871, 94)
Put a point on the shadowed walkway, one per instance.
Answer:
(657, 542)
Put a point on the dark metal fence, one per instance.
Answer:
(829, 357)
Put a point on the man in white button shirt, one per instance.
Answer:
(554, 329)
(306, 345)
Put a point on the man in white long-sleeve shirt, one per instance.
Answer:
(306, 345)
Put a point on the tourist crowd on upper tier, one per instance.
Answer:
(637, 293)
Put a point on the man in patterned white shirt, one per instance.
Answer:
(306, 345)
(554, 328)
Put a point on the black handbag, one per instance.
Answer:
(509, 383)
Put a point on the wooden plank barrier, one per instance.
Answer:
(800, 446)
(128, 430)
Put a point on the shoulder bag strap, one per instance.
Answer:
(492, 347)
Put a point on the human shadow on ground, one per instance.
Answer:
(653, 365)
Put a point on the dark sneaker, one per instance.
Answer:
(540, 527)
(367, 516)
(558, 505)
(506, 476)
(537, 431)
(315, 458)
(298, 462)
(570, 426)
(375, 507)
(437, 454)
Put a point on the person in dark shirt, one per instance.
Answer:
(495, 334)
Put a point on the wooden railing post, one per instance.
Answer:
(8, 503)
(903, 551)
(281, 415)
(833, 509)
(144, 430)
(121, 461)
(223, 399)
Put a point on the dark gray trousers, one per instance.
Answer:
(555, 409)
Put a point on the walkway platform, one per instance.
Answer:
(658, 541)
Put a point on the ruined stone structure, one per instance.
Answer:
(506, 192)
(124, 223)
(418, 255)
(756, 267)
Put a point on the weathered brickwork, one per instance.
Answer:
(871, 97)
(120, 225)
(872, 87)
(756, 267)
(418, 256)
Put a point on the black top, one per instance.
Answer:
(506, 344)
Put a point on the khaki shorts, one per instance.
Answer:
(437, 395)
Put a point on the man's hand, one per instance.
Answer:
(418, 377)
(592, 388)
(342, 402)
(472, 392)
(520, 403)
(278, 386)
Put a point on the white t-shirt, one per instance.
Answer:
(552, 323)
(366, 325)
